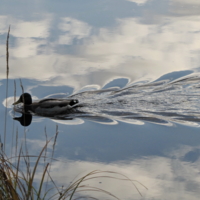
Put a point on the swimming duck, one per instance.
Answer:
(46, 107)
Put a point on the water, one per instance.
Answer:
(133, 66)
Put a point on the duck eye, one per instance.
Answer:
(73, 102)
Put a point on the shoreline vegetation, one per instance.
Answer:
(18, 179)
(18, 172)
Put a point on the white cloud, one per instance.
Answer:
(25, 29)
(26, 47)
(73, 29)
(192, 2)
(36, 29)
(184, 7)
(30, 35)
(130, 49)
(162, 176)
(139, 2)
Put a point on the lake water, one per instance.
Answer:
(134, 67)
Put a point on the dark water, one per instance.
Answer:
(133, 66)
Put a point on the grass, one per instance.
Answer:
(18, 172)
(18, 179)
(7, 74)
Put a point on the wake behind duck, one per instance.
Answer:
(162, 102)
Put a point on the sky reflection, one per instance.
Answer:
(79, 51)
(163, 176)
(140, 2)
(66, 47)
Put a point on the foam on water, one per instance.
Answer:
(159, 102)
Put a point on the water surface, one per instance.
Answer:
(134, 65)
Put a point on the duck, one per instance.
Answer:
(46, 107)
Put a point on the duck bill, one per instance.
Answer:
(15, 103)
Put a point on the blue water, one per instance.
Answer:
(134, 67)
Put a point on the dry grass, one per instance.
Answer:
(7, 75)
(20, 183)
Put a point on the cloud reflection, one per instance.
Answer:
(192, 2)
(74, 29)
(159, 174)
(26, 47)
(131, 50)
(84, 55)
(28, 29)
(185, 7)
(139, 2)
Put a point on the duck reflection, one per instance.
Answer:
(25, 119)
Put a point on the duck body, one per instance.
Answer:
(46, 107)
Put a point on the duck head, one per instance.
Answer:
(24, 98)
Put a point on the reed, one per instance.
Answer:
(20, 184)
(7, 75)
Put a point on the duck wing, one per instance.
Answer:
(51, 103)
